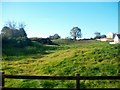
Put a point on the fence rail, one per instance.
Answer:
(77, 78)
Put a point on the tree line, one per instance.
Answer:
(10, 33)
(13, 33)
(17, 36)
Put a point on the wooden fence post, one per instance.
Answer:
(3, 82)
(0, 79)
(78, 81)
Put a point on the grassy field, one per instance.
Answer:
(89, 58)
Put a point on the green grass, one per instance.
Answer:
(89, 58)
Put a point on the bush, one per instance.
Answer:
(17, 42)
(55, 36)
(22, 42)
(42, 40)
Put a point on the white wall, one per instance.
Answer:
(110, 35)
(116, 39)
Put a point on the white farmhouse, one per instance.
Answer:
(110, 35)
(117, 38)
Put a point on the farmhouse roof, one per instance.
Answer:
(118, 35)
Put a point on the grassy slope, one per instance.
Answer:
(84, 57)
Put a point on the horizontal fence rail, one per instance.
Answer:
(77, 78)
(62, 77)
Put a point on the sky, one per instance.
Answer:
(43, 19)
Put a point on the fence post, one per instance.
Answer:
(78, 81)
(0, 79)
(3, 82)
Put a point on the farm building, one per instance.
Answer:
(110, 35)
(116, 39)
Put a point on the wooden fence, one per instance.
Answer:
(77, 78)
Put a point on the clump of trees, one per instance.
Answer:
(42, 40)
(75, 32)
(10, 34)
(98, 35)
(55, 36)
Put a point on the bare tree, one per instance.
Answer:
(11, 25)
(21, 25)
(22, 32)
(10, 30)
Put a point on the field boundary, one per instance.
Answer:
(77, 78)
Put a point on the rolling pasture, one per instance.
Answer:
(86, 57)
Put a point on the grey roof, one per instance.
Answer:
(118, 35)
